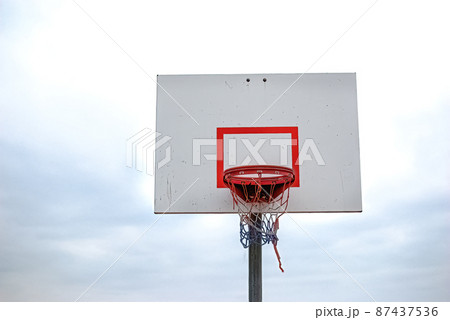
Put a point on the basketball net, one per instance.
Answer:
(260, 206)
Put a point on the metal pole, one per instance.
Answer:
(255, 266)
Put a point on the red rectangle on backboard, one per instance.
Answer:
(293, 131)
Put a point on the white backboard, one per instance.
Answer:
(306, 122)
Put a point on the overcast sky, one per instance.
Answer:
(77, 80)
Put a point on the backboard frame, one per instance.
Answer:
(293, 131)
(322, 106)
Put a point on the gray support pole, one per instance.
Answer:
(255, 268)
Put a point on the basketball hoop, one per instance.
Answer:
(261, 195)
